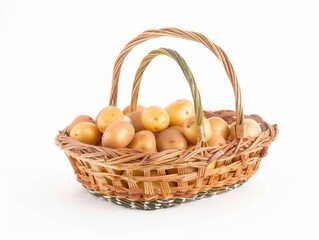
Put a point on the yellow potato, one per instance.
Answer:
(80, 118)
(86, 132)
(143, 141)
(216, 140)
(107, 116)
(179, 111)
(253, 129)
(155, 119)
(171, 139)
(190, 129)
(118, 134)
(219, 126)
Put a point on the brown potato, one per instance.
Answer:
(127, 109)
(136, 120)
(178, 128)
(171, 139)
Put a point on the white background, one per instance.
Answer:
(56, 61)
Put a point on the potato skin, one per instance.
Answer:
(144, 141)
(171, 139)
(86, 132)
(155, 119)
(118, 134)
(136, 120)
(179, 111)
(107, 116)
(190, 129)
(127, 109)
(219, 126)
(216, 140)
(78, 119)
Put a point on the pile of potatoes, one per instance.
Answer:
(153, 128)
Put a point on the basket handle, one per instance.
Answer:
(189, 35)
(189, 77)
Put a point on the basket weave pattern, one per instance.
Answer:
(101, 169)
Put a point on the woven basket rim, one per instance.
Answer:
(63, 138)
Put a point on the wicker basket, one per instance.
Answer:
(218, 169)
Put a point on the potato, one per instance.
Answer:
(178, 128)
(143, 141)
(216, 140)
(80, 118)
(171, 139)
(190, 129)
(219, 126)
(136, 120)
(127, 109)
(179, 111)
(86, 132)
(155, 119)
(107, 116)
(253, 129)
(118, 134)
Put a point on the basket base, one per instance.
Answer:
(158, 204)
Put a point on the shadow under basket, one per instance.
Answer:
(149, 181)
